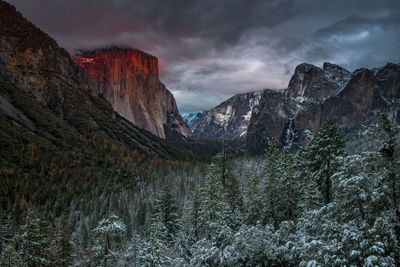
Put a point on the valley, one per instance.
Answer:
(98, 167)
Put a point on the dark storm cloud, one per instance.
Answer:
(214, 49)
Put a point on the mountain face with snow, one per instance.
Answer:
(314, 95)
(293, 115)
(311, 84)
(233, 115)
(191, 118)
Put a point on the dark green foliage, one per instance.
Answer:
(34, 241)
(390, 152)
(61, 243)
(166, 212)
(318, 157)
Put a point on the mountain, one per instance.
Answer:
(272, 118)
(310, 84)
(44, 103)
(191, 118)
(129, 80)
(351, 102)
(234, 115)
(293, 115)
(366, 94)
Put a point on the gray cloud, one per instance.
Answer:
(214, 49)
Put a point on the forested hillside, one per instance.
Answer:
(317, 207)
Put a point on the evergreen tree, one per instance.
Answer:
(215, 213)
(108, 244)
(254, 201)
(319, 157)
(166, 212)
(62, 243)
(229, 182)
(390, 152)
(194, 215)
(153, 251)
(310, 196)
(276, 197)
(34, 241)
(11, 257)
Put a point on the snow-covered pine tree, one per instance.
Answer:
(166, 212)
(153, 250)
(230, 184)
(216, 223)
(34, 241)
(269, 186)
(390, 152)
(108, 243)
(319, 157)
(62, 243)
(254, 202)
(310, 197)
(288, 187)
(194, 216)
(278, 189)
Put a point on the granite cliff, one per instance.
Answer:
(292, 116)
(129, 80)
(233, 114)
(313, 95)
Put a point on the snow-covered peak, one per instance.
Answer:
(310, 84)
(234, 115)
(191, 118)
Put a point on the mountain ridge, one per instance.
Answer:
(293, 115)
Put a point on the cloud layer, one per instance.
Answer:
(210, 50)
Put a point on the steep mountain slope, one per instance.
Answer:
(191, 118)
(129, 80)
(351, 106)
(272, 118)
(310, 84)
(314, 94)
(42, 95)
(234, 115)
(358, 103)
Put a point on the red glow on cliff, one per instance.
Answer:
(130, 61)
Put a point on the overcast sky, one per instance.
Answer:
(209, 50)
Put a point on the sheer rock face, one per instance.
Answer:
(310, 84)
(358, 102)
(128, 79)
(271, 119)
(234, 115)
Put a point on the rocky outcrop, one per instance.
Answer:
(362, 98)
(191, 118)
(274, 113)
(358, 102)
(310, 84)
(271, 119)
(233, 115)
(129, 80)
(314, 94)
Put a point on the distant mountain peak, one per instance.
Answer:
(233, 114)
